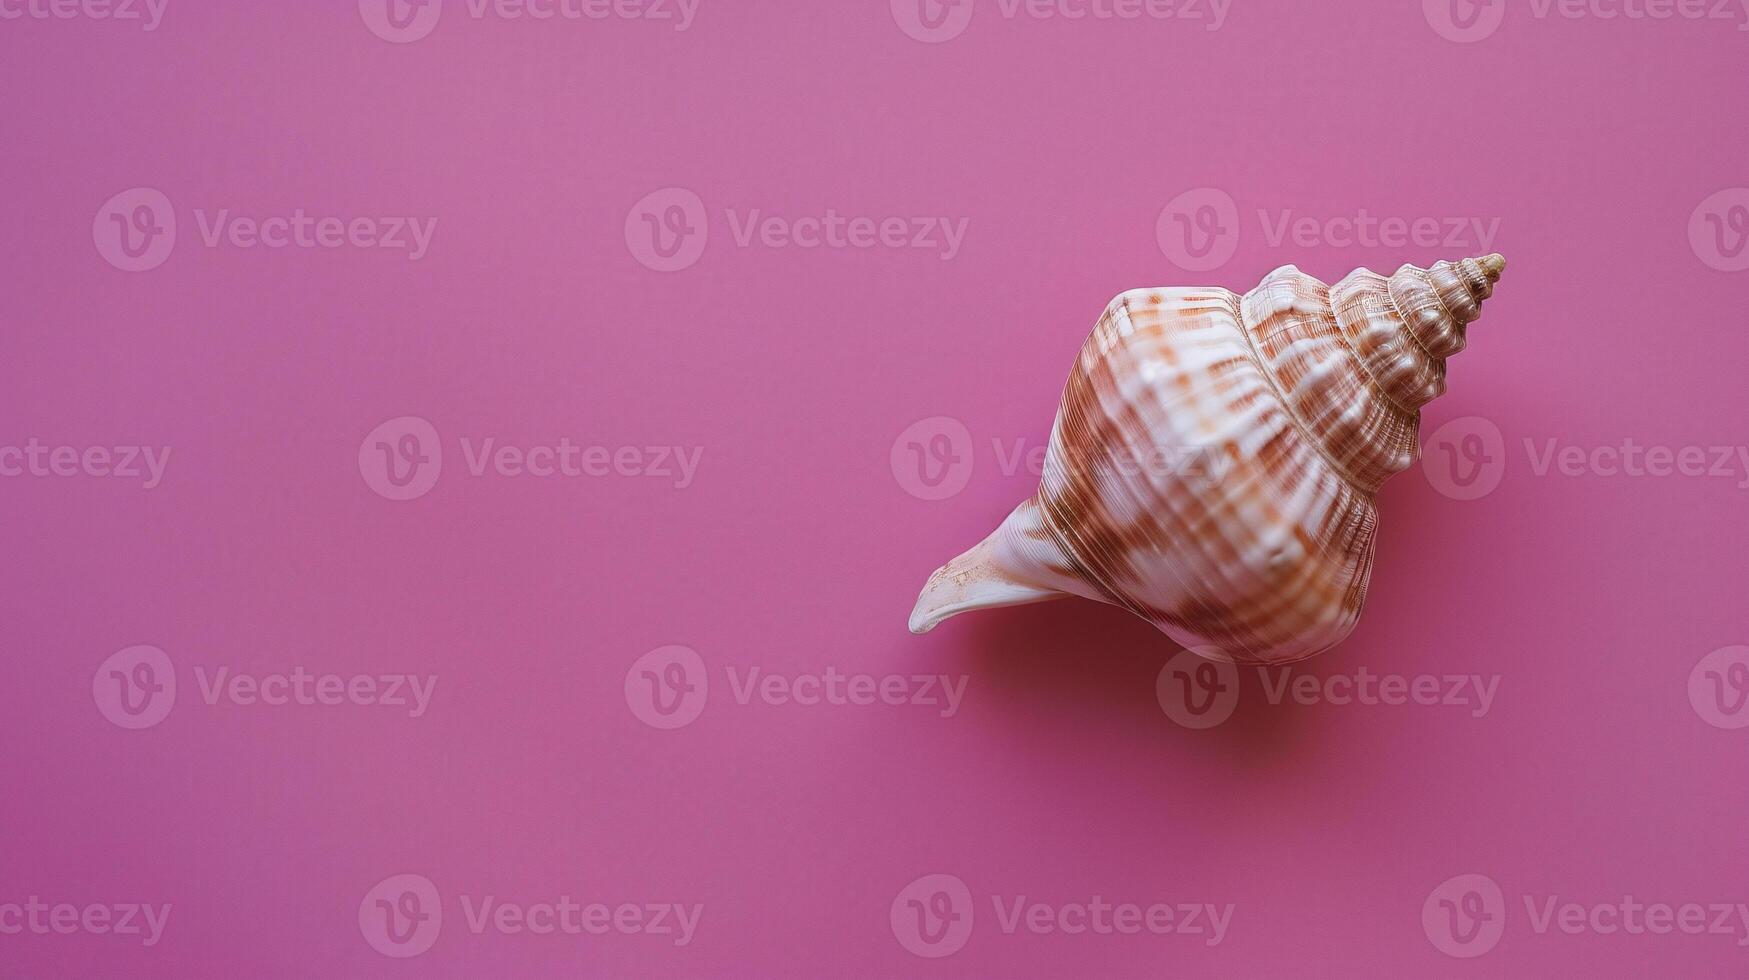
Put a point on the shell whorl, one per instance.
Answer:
(1355, 362)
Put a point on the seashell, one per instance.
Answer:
(1215, 458)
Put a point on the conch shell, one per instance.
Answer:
(1214, 461)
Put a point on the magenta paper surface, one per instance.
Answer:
(467, 467)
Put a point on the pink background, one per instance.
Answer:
(1592, 597)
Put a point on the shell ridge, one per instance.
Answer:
(1397, 308)
(1374, 382)
(1268, 372)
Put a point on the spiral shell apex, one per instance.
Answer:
(1215, 458)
